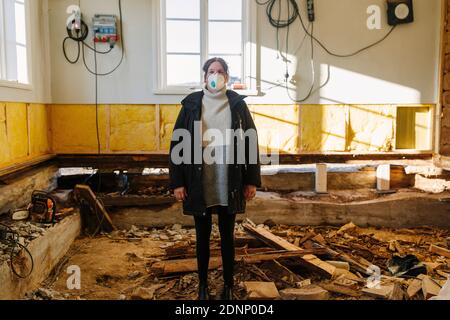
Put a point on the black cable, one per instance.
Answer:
(96, 101)
(80, 36)
(14, 244)
(292, 16)
(80, 39)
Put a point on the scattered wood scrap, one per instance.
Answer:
(311, 292)
(430, 288)
(168, 267)
(440, 251)
(336, 288)
(310, 261)
(261, 290)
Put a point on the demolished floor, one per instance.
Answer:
(160, 264)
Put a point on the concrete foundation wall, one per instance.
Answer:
(397, 211)
(17, 194)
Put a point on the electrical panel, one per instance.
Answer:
(105, 29)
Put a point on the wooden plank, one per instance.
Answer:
(311, 292)
(15, 168)
(440, 251)
(85, 192)
(414, 288)
(340, 289)
(159, 160)
(310, 261)
(261, 290)
(383, 292)
(355, 265)
(190, 265)
(269, 238)
(430, 288)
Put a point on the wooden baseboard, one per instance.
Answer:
(14, 168)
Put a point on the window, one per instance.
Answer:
(192, 31)
(13, 42)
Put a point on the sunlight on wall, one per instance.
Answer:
(352, 86)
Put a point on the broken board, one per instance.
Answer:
(84, 193)
(310, 261)
(190, 265)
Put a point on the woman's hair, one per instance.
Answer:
(211, 61)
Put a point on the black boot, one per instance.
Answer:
(227, 293)
(203, 293)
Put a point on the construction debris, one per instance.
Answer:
(440, 251)
(406, 266)
(311, 292)
(88, 199)
(272, 262)
(430, 288)
(261, 290)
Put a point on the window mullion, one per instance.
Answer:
(163, 43)
(2, 42)
(204, 34)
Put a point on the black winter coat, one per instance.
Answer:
(190, 175)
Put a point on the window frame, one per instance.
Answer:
(15, 84)
(249, 18)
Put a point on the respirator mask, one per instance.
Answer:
(216, 82)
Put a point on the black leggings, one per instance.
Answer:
(203, 231)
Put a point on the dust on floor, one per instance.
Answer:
(118, 266)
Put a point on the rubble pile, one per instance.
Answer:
(290, 263)
(27, 232)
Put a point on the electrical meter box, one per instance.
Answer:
(105, 28)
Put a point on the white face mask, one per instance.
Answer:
(216, 82)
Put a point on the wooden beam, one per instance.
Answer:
(190, 265)
(20, 166)
(309, 261)
(159, 160)
(84, 192)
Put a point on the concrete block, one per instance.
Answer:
(384, 177)
(321, 178)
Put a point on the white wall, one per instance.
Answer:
(403, 69)
(39, 47)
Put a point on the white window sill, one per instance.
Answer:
(188, 91)
(15, 85)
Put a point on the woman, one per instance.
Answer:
(222, 186)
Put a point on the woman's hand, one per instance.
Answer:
(180, 194)
(249, 192)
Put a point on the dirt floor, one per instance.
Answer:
(118, 266)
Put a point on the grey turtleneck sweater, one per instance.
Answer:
(216, 117)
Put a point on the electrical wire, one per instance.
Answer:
(293, 13)
(79, 38)
(81, 43)
(313, 73)
(296, 14)
(14, 244)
